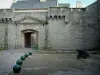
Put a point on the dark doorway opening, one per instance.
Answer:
(28, 40)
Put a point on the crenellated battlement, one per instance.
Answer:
(10, 15)
(5, 20)
(68, 14)
(59, 12)
(6, 13)
(72, 15)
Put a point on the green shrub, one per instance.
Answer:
(35, 47)
(2, 48)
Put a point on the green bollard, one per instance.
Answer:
(19, 62)
(22, 57)
(16, 68)
(30, 53)
(26, 55)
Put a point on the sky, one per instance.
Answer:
(73, 2)
(8, 3)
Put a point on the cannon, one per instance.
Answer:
(82, 54)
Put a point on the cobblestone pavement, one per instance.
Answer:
(60, 64)
(8, 59)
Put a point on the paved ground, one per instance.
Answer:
(23, 50)
(60, 64)
(49, 64)
(8, 59)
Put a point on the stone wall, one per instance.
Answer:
(91, 35)
(2, 33)
(98, 6)
(12, 34)
(5, 21)
(72, 28)
(65, 32)
(67, 28)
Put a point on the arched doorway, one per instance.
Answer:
(30, 38)
(27, 39)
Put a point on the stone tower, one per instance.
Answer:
(42, 0)
(79, 4)
(14, 1)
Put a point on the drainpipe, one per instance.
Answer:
(6, 35)
(6, 38)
